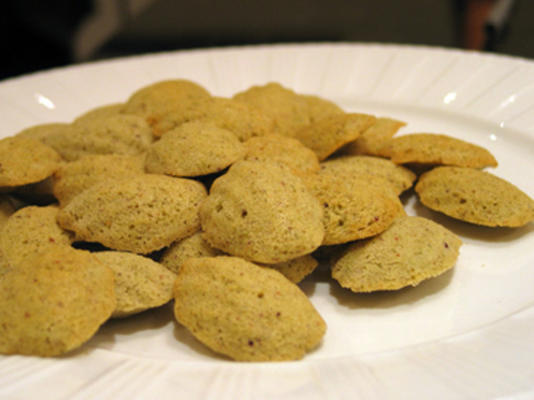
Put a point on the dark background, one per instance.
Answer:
(38, 35)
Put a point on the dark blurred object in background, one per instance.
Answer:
(38, 35)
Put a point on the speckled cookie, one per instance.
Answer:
(320, 108)
(244, 311)
(352, 166)
(24, 161)
(140, 214)
(242, 119)
(167, 104)
(411, 250)
(30, 230)
(193, 246)
(282, 149)
(374, 137)
(194, 149)
(261, 211)
(354, 208)
(289, 110)
(74, 177)
(53, 302)
(114, 134)
(140, 283)
(475, 196)
(436, 149)
(42, 131)
(325, 136)
(100, 112)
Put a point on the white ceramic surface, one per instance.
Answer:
(467, 334)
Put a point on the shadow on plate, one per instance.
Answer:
(389, 299)
(320, 275)
(182, 335)
(153, 319)
(472, 231)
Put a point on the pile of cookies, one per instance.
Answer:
(223, 205)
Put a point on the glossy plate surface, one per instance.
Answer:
(466, 334)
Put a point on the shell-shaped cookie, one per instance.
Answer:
(25, 160)
(140, 283)
(74, 177)
(31, 230)
(42, 131)
(140, 214)
(475, 196)
(244, 311)
(242, 119)
(354, 208)
(284, 150)
(53, 302)
(327, 135)
(353, 166)
(193, 246)
(167, 104)
(436, 149)
(194, 149)
(320, 108)
(114, 134)
(262, 212)
(411, 250)
(289, 110)
(373, 138)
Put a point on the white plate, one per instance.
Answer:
(466, 334)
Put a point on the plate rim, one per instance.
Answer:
(366, 357)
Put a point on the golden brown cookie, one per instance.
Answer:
(242, 119)
(244, 311)
(42, 131)
(320, 108)
(31, 230)
(53, 302)
(260, 211)
(193, 246)
(475, 196)
(373, 138)
(24, 161)
(411, 250)
(282, 149)
(436, 149)
(194, 149)
(140, 283)
(289, 110)
(114, 134)
(325, 136)
(354, 208)
(74, 177)
(167, 104)
(353, 166)
(140, 214)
